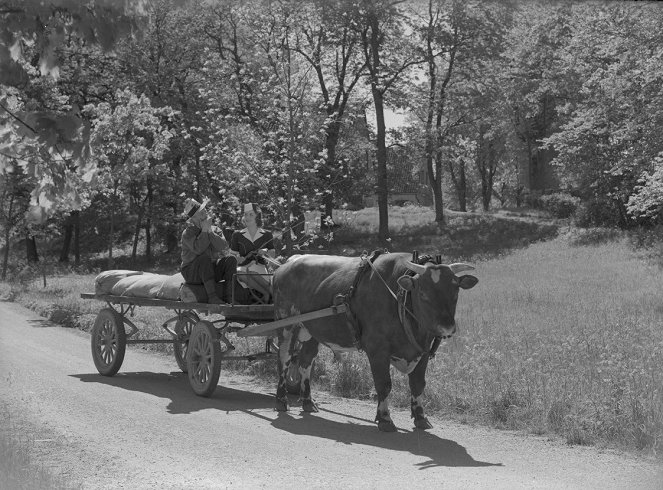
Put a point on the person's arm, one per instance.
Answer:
(195, 240)
(218, 243)
(268, 245)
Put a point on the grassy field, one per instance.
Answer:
(561, 336)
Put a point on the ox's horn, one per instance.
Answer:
(419, 269)
(460, 267)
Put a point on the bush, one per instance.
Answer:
(596, 213)
(593, 236)
(560, 204)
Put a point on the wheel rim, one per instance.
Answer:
(202, 358)
(183, 328)
(107, 342)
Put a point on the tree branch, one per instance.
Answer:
(14, 116)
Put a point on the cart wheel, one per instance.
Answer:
(204, 358)
(183, 328)
(109, 342)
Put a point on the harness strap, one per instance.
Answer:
(350, 318)
(406, 319)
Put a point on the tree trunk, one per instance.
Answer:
(111, 232)
(76, 218)
(331, 142)
(437, 195)
(462, 187)
(382, 179)
(5, 258)
(8, 230)
(298, 223)
(68, 234)
(139, 222)
(31, 248)
(148, 223)
(372, 44)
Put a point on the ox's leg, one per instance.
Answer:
(287, 341)
(382, 380)
(306, 355)
(417, 380)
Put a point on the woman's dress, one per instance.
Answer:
(243, 243)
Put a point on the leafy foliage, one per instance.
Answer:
(559, 204)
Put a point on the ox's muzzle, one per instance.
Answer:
(445, 331)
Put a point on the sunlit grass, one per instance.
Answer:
(560, 337)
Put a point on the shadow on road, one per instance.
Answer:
(349, 430)
(175, 387)
(438, 451)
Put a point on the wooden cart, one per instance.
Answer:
(199, 344)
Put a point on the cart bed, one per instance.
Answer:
(234, 312)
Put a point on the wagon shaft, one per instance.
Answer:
(262, 329)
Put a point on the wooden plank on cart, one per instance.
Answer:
(257, 330)
(231, 312)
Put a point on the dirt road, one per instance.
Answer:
(144, 428)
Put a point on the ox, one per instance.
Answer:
(374, 292)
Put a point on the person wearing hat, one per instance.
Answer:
(205, 258)
(251, 244)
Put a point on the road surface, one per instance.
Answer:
(144, 428)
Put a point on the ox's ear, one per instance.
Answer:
(467, 282)
(406, 282)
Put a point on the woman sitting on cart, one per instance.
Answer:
(255, 247)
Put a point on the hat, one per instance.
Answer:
(251, 206)
(191, 207)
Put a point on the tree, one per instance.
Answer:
(32, 31)
(265, 129)
(387, 57)
(130, 141)
(328, 40)
(609, 134)
(14, 202)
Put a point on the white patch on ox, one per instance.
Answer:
(340, 352)
(383, 408)
(405, 367)
(435, 274)
(304, 335)
(340, 348)
(284, 354)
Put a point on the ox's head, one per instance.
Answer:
(434, 291)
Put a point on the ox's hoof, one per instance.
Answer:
(386, 426)
(309, 406)
(281, 405)
(422, 423)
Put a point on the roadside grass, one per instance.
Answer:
(18, 468)
(561, 336)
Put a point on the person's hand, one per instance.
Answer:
(248, 258)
